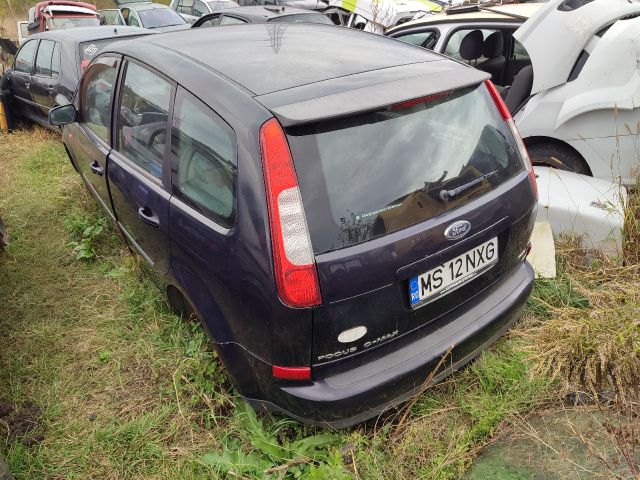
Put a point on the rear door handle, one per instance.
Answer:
(97, 169)
(147, 216)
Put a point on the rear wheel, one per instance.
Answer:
(558, 156)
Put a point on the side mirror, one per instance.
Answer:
(62, 115)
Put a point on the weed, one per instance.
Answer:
(314, 457)
(86, 231)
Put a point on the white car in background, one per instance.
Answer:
(191, 10)
(568, 71)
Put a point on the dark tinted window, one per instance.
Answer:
(303, 18)
(24, 59)
(142, 120)
(97, 90)
(203, 151)
(160, 17)
(45, 59)
(364, 176)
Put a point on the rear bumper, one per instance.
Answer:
(363, 392)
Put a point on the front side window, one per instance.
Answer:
(142, 118)
(426, 39)
(24, 59)
(48, 59)
(97, 91)
(203, 152)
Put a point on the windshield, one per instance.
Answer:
(221, 5)
(303, 18)
(63, 23)
(375, 173)
(160, 17)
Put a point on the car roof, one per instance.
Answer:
(82, 34)
(274, 56)
(267, 11)
(508, 12)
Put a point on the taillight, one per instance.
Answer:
(293, 259)
(506, 115)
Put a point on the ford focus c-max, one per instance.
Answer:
(339, 218)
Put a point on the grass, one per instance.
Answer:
(105, 382)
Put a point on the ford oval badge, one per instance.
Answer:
(457, 230)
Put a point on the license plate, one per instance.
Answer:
(453, 274)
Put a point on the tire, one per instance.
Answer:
(558, 156)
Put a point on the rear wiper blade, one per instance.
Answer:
(447, 194)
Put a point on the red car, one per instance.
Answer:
(61, 14)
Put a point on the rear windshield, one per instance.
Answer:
(160, 17)
(64, 23)
(364, 176)
(303, 18)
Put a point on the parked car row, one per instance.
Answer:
(342, 210)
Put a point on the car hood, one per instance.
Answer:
(555, 36)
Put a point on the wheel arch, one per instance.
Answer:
(543, 140)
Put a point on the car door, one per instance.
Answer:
(136, 172)
(92, 134)
(46, 78)
(20, 80)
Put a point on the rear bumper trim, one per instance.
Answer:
(356, 395)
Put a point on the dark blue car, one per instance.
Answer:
(339, 217)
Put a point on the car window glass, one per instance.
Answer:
(519, 52)
(160, 17)
(44, 58)
(186, 6)
(142, 120)
(426, 39)
(24, 59)
(303, 18)
(130, 17)
(453, 45)
(199, 8)
(97, 90)
(55, 60)
(211, 22)
(231, 21)
(203, 152)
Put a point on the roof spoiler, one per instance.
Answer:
(420, 80)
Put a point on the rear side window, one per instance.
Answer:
(375, 173)
(24, 59)
(48, 59)
(142, 119)
(203, 152)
